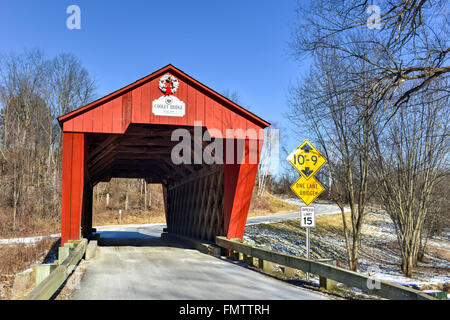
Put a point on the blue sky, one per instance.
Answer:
(235, 45)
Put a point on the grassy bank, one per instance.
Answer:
(379, 248)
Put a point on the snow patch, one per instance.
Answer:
(29, 240)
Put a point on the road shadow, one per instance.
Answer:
(52, 254)
(123, 235)
(134, 239)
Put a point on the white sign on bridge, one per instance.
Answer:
(169, 106)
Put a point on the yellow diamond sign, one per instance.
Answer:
(307, 190)
(306, 159)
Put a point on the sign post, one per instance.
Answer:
(308, 221)
(307, 160)
(308, 249)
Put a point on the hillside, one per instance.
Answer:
(379, 248)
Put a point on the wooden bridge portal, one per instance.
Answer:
(128, 134)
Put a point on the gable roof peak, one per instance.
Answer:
(177, 72)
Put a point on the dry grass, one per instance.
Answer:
(378, 247)
(332, 220)
(264, 205)
(109, 217)
(267, 204)
(16, 258)
(27, 224)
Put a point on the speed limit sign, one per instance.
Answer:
(307, 219)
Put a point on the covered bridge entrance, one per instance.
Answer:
(129, 133)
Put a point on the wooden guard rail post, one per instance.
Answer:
(386, 290)
(47, 288)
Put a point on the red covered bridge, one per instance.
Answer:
(128, 134)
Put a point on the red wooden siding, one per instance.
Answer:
(73, 174)
(127, 105)
(115, 113)
(239, 180)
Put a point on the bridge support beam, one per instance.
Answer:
(239, 180)
(74, 191)
(86, 215)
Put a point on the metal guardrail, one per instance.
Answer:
(47, 288)
(386, 290)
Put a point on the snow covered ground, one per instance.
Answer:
(320, 208)
(378, 248)
(28, 240)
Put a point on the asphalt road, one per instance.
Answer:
(150, 268)
(320, 209)
(155, 230)
(163, 270)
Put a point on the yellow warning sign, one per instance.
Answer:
(306, 159)
(307, 190)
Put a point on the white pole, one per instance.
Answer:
(307, 220)
(308, 256)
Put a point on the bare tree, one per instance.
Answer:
(232, 95)
(269, 150)
(332, 103)
(70, 87)
(438, 217)
(410, 160)
(410, 40)
(235, 97)
(128, 194)
(23, 106)
(370, 68)
(33, 92)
